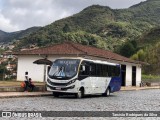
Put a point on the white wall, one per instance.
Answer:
(53, 58)
(25, 63)
(36, 72)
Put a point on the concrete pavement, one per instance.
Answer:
(129, 88)
(24, 94)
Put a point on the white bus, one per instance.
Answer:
(81, 77)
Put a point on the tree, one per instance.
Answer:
(127, 49)
(66, 28)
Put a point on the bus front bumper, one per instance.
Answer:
(70, 89)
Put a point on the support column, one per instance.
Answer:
(128, 75)
(138, 75)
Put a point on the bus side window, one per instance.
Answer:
(99, 70)
(109, 71)
(93, 69)
(117, 71)
(104, 70)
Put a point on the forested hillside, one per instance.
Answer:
(109, 26)
(149, 51)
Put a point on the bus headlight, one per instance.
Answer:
(72, 81)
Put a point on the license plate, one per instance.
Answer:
(58, 88)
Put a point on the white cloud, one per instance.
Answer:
(6, 25)
(22, 14)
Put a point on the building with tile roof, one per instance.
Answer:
(131, 70)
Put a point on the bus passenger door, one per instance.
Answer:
(96, 82)
(84, 77)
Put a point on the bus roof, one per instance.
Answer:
(101, 62)
(91, 60)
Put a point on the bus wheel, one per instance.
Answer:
(80, 94)
(55, 94)
(107, 93)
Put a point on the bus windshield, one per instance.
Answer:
(64, 68)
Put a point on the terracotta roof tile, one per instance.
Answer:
(75, 49)
(65, 48)
(103, 53)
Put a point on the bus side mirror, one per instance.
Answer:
(82, 68)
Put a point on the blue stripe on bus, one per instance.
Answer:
(115, 84)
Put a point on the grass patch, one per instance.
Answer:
(150, 78)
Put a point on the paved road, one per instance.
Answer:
(142, 100)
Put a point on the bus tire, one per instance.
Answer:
(107, 92)
(55, 94)
(80, 94)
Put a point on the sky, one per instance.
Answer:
(21, 14)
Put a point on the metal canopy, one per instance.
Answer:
(43, 62)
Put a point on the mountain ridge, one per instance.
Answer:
(6, 37)
(117, 25)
